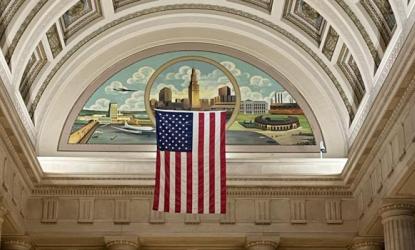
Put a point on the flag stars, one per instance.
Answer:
(174, 131)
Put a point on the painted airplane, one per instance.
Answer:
(123, 89)
(135, 129)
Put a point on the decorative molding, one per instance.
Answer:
(36, 63)
(373, 51)
(49, 210)
(86, 210)
(262, 212)
(80, 15)
(166, 8)
(87, 190)
(121, 3)
(298, 211)
(333, 211)
(265, 5)
(8, 10)
(54, 41)
(381, 13)
(330, 43)
(350, 70)
(22, 29)
(122, 211)
(307, 19)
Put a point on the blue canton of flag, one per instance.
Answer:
(174, 131)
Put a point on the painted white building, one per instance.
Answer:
(254, 107)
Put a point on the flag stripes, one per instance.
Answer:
(195, 181)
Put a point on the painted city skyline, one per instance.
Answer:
(116, 113)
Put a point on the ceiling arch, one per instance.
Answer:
(199, 34)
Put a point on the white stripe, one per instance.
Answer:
(194, 162)
(217, 162)
(183, 182)
(162, 180)
(172, 196)
(206, 164)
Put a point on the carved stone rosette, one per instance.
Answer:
(399, 226)
(121, 245)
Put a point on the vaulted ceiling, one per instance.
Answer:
(335, 54)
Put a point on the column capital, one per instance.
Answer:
(367, 243)
(262, 241)
(16, 244)
(121, 242)
(397, 209)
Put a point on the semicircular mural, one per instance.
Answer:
(116, 112)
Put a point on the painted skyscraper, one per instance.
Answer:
(194, 100)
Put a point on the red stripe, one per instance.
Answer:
(212, 163)
(189, 183)
(167, 181)
(222, 163)
(157, 187)
(178, 182)
(200, 161)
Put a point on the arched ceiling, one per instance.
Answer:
(335, 54)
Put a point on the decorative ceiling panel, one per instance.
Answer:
(80, 15)
(121, 3)
(373, 50)
(381, 13)
(351, 71)
(36, 63)
(231, 11)
(302, 15)
(54, 40)
(330, 43)
(22, 28)
(263, 4)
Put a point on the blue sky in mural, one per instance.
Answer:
(253, 83)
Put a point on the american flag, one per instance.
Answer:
(190, 163)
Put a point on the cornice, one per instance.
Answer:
(113, 190)
(200, 7)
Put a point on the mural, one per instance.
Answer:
(260, 111)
